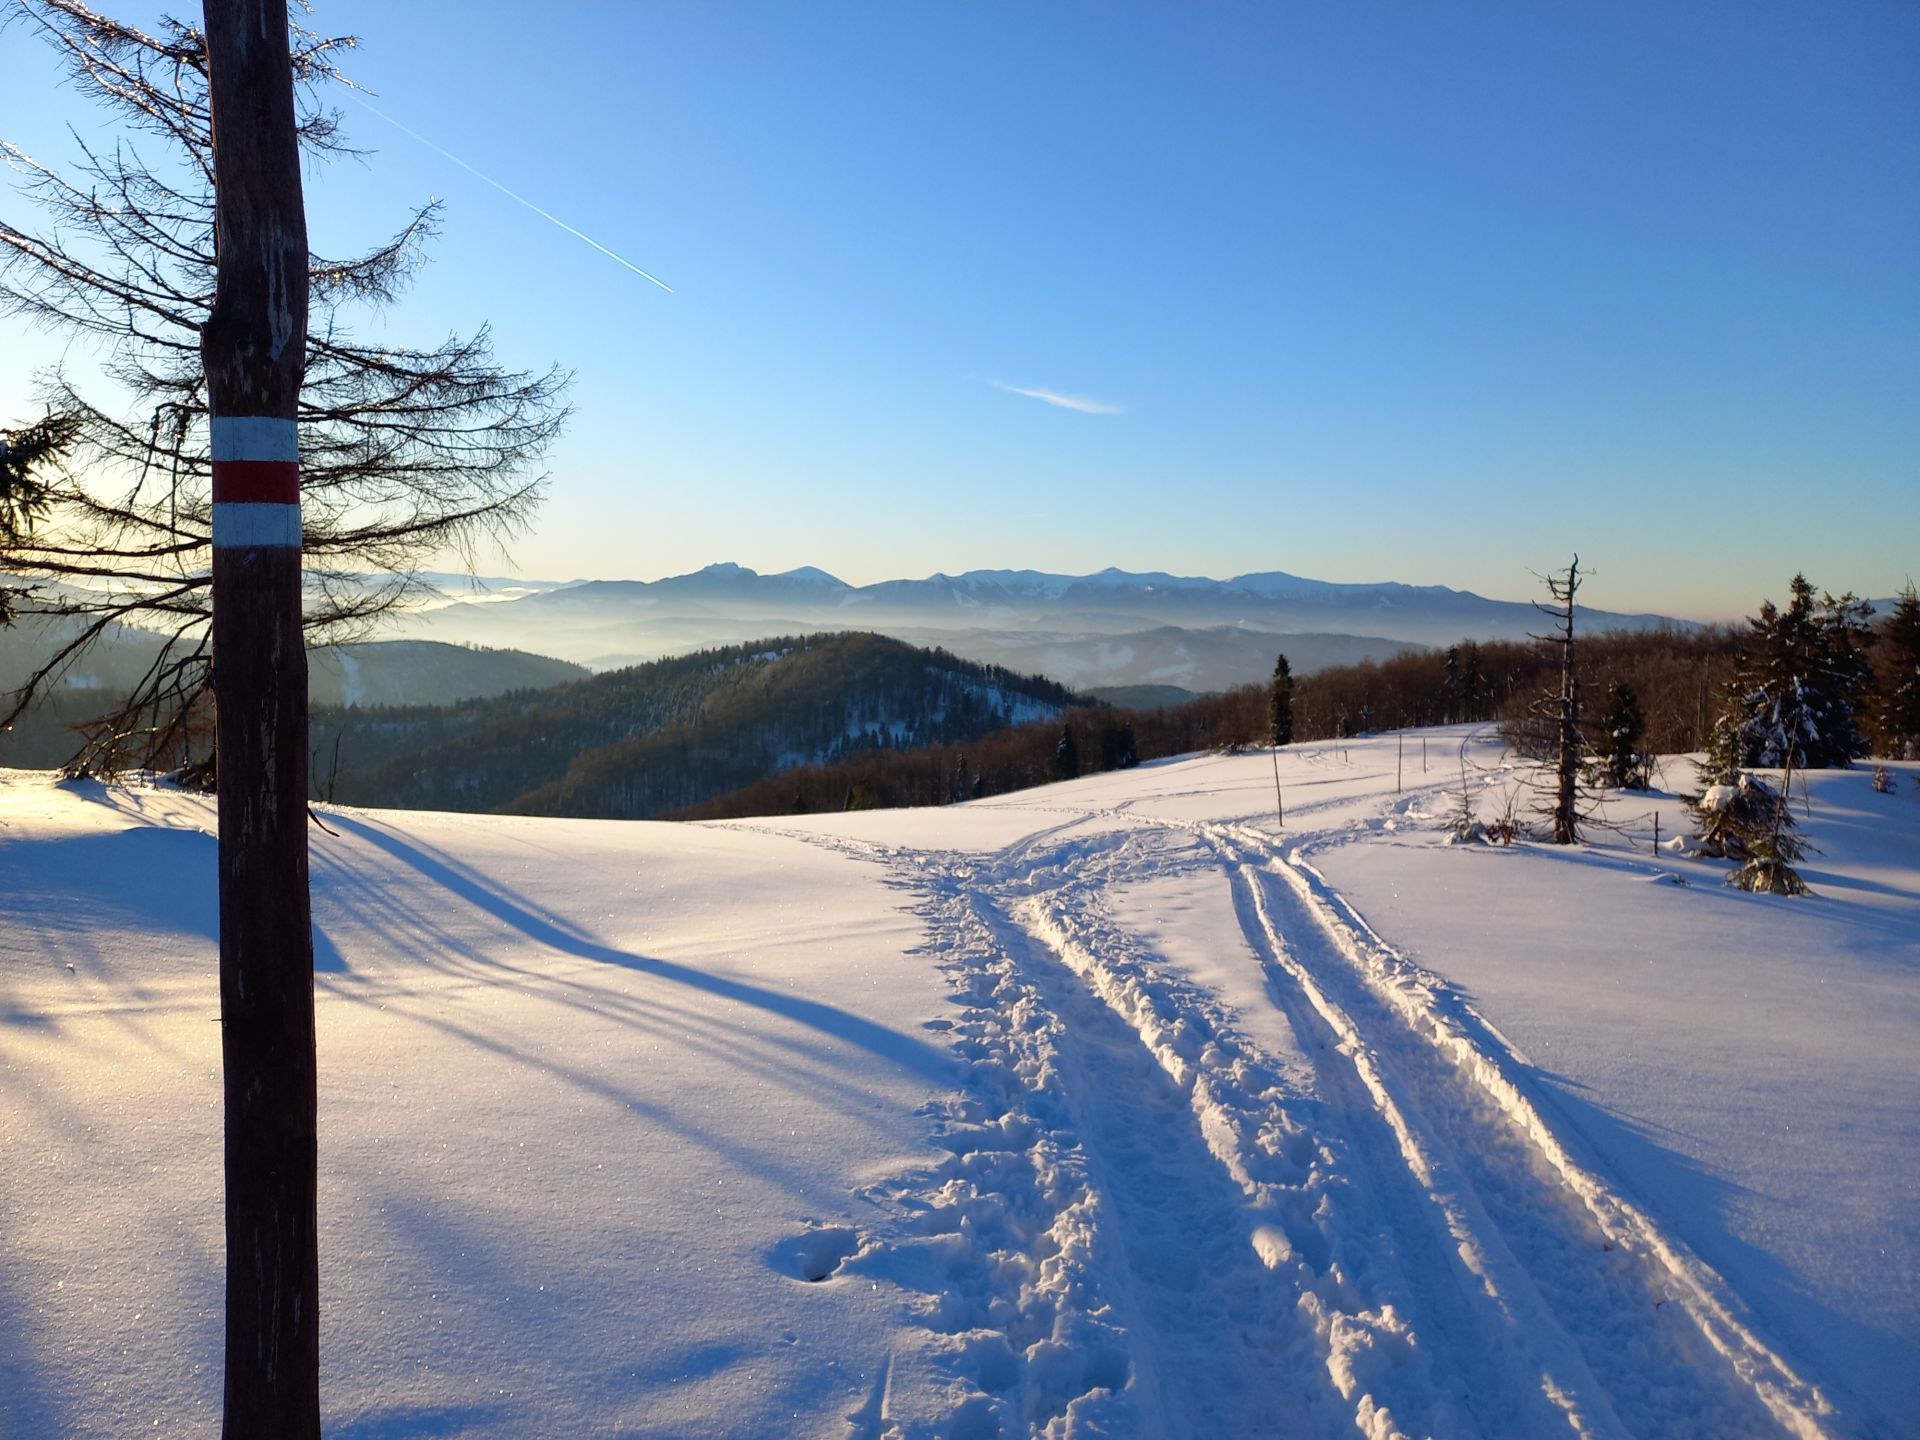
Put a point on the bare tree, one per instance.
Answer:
(1563, 708)
(405, 452)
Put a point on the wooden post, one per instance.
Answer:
(1656, 832)
(1400, 765)
(1423, 754)
(254, 350)
(1279, 810)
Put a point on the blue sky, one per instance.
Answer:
(1361, 291)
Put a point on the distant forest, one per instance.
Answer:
(631, 743)
(1680, 678)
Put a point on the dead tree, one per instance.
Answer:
(1563, 708)
(405, 452)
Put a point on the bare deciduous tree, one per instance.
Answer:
(1563, 709)
(405, 452)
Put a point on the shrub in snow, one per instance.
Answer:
(1768, 875)
(1463, 826)
(1883, 780)
(1507, 826)
(1751, 822)
(1731, 818)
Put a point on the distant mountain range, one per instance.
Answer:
(1112, 628)
(1120, 599)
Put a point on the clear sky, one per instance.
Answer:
(1436, 293)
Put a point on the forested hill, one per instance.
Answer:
(669, 734)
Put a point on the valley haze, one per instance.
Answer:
(1109, 628)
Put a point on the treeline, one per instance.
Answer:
(1686, 683)
(1084, 740)
(1680, 680)
(1678, 675)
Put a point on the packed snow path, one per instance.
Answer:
(1105, 1109)
(1373, 1232)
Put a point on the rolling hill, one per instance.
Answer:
(634, 742)
(374, 672)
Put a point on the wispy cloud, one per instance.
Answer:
(1081, 403)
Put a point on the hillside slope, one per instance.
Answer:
(420, 672)
(372, 672)
(1103, 1109)
(630, 743)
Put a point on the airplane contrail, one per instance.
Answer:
(546, 215)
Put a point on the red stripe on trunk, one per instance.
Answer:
(272, 482)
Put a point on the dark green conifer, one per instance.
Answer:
(1280, 704)
(1744, 820)
(1798, 686)
(1621, 741)
(1470, 681)
(1772, 847)
(1898, 712)
(23, 499)
(1066, 755)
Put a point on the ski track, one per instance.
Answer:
(1146, 1225)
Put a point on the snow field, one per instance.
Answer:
(578, 1107)
(1105, 1109)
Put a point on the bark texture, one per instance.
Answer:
(253, 347)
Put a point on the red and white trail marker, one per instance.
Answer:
(256, 482)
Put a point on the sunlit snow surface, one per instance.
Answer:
(1108, 1108)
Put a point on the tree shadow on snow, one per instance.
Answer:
(556, 932)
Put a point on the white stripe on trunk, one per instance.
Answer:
(240, 524)
(255, 437)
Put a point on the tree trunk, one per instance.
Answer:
(254, 348)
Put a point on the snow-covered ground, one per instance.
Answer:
(1108, 1108)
